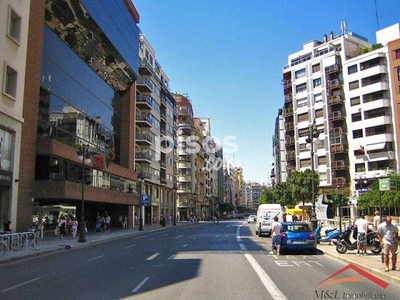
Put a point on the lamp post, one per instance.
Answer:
(84, 157)
(194, 204)
(313, 133)
(174, 190)
(140, 180)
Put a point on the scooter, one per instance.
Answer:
(332, 235)
(345, 244)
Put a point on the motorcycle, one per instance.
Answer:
(344, 244)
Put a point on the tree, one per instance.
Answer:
(301, 185)
(267, 196)
(283, 195)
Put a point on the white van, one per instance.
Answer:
(265, 216)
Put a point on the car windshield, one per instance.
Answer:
(296, 228)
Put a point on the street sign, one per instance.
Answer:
(386, 184)
(146, 200)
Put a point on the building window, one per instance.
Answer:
(318, 98)
(321, 160)
(354, 85)
(316, 68)
(352, 69)
(300, 73)
(301, 88)
(319, 113)
(356, 117)
(10, 81)
(355, 101)
(305, 163)
(317, 82)
(360, 167)
(14, 25)
(302, 117)
(398, 74)
(302, 102)
(357, 134)
(397, 54)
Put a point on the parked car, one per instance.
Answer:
(251, 218)
(298, 236)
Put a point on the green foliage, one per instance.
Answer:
(267, 196)
(283, 195)
(388, 198)
(301, 185)
(226, 207)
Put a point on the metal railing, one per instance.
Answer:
(22, 241)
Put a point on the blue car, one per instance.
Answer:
(298, 236)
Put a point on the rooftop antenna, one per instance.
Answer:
(343, 24)
(376, 14)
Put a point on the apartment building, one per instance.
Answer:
(156, 127)
(79, 96)
(341, 84)
(187, 159)
(14, 25)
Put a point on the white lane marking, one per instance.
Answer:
(194, 238)
(153, 256)
(242, 247)
(166, 234)
(150, 240)
(94, 258)
(185, 245)
(171, 257)
(140, 285)
(265, 279)
(21, 284)
(179, 236)
(127, 247)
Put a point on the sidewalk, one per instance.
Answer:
(370, 262)
(51, 243)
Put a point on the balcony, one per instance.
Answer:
(288, 98)
(143, 157)
(333, 84)
(144, 85)
(332, 69)
(340, 165)
(143, 121)
(145, 68)
(291, 156)
(290, 140)
(338, 148)
(288, 112)
(335, 99)
(336, 115)
(144, 102)
(339, 181)
(289, 126)
(143, 138)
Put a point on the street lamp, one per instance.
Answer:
(140, 178)
(84, 157)
(174, 190)
(313, 133)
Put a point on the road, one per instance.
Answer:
(197, 261)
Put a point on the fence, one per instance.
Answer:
(13, 243)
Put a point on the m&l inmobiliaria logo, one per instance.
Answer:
(326, 293)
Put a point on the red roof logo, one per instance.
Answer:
(331, 281)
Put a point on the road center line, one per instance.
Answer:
(21, 284)
(185, 245)
(179, 236)
(140, 285)
(127, 247)
(94, 258)
(171, 257)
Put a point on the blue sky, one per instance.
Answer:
(228, 57)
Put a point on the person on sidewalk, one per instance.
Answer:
(74, 226)
(362, 228)
(377, 220)
(62, 224)
(276, 236)
(388, 234)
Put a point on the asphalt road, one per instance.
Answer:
(198, 261)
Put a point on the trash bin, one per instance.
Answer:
(163, 222)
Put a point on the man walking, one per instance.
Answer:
(276, 236)
(388, 234)
(362, 228)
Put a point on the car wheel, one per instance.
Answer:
(313, 251)
(259, 233)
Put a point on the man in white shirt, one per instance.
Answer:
(388, 234)
(276, 236)
(362, 228)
